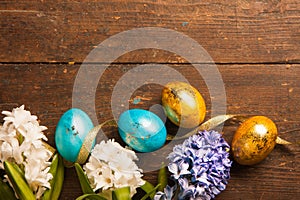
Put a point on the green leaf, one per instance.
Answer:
(107, 194)
(53, 168)
(84, 182)
(6, 192)
(121, 194)
(162, 177)
(18, 181)
(59, 179)
(18, 168)
(90, 197)
(20, 137)
(56, 183)
(151, 193)
(148, 188)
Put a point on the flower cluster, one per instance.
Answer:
(200, 166)
(21, 142)
(111, 166)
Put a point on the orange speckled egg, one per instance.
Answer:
(254, 140)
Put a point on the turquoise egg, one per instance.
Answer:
(71, 130)
(142, 130)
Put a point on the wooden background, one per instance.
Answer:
(255, 45)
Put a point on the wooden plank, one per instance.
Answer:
(271, 90)
(240, 31)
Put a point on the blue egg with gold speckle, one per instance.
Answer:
(71, 130)
(142, 130)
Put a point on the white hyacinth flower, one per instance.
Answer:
(21, 142)
(111, 166)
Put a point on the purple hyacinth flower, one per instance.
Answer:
(166, 195)
(201, 165)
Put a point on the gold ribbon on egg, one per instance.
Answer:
(208, 125)
(89, 139)
(218, 120)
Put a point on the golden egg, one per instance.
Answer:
(183, 104)
(254, 140)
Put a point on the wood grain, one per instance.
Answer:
(256, 45)
(271, 90)
(240, 31)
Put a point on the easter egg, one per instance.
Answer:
(71, 130)
(183, 104)
(254, 140)
(142, 130)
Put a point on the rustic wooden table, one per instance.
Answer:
(255, 45)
